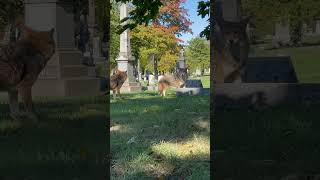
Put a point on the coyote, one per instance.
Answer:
(20, 64)
(176, 80)
(231, 48)
(116, 81)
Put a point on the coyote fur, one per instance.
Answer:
(116, 81)
(176, 80)
(231, 48)
(20, 64)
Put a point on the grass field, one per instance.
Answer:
(154, 137)
(273, 143)
(69, 141)
(270, 144)
(205, 81)
(306, 61)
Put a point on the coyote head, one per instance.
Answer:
(231, 32)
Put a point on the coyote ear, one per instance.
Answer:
(245, 20)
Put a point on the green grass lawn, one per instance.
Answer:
(306, 61)
(273, 143)
(68, 142)
(154, 137)
(267, 145)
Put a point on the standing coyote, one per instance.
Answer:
(116, 81)
(20, 64)
(231, 48)
(177, 80)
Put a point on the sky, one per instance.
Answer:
(198, 24)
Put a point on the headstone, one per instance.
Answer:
(181, 64)
(282, 33)
(125, 59)
(151, 80)
(64, 74)
(192, 88)
(317, 29)
(270, 70)
(262, 95)
(159, 77)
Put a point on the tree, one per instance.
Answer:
(149, 42)
(114, 36)
(173, 17)
(198, 54)
(204, 11)
(265, 13)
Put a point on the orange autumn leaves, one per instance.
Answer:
(161, 39)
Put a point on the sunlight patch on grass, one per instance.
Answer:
(203, 123)
(198, 145)
(6, 125)
(117, 128)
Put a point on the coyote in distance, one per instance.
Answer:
(116, 82)
(177, 80)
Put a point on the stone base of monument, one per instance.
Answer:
(259, 95)
(192, 91)
(67, 87)
(64, 75)
(131, 87)
(152, 88)
(192, 88)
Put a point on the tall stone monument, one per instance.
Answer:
(125, 59)
(64, 74)
(181, 64)
(231, 10)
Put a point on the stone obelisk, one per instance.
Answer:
(125, 59)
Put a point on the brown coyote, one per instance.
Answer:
(176, 80)
(231, 48)
(116, 81)
(20, 64)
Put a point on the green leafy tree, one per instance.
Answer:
(155, 47)
(115, 37)
(198, 54)
(265, 13)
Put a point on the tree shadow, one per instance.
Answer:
(69, 141)
(140, 124)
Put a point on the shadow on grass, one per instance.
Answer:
(69, 141)
(154, 137)
(269, 144)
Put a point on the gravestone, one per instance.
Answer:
(282, 33)
(64, 75)
(125, 59)
(151, 83)
(192, 88)
(269, 70)
(317, 29)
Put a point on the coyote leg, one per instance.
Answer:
(27, 101)
(14, 104)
